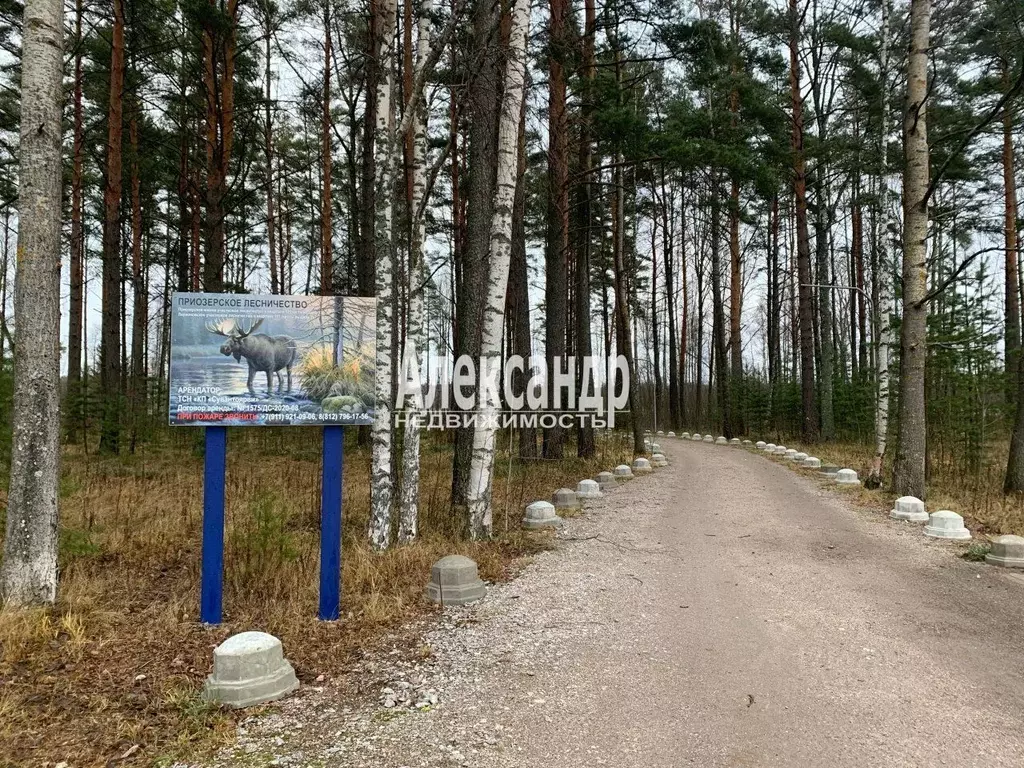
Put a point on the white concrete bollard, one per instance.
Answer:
(790, 454)
(847, 477)
(606, 481)
(760, 444)
(642, 466)
(671, 434)
(541, 514)
(780, 450)
(1007, 552)
(659, 460)
(655, 448)
(909, 508)
(565, 500)
(454, 581)
(685, 436)
(769, 448)
(735, 441)
(799, 457)
(747, 443)
(622, 473)
(709, 439)
(588, 489)
(248, 669)
(697, 437)
(812, 462)
(945, 524)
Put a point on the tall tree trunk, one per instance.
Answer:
(655, 342)
(326, 200)
(667, 221)
(268, 149)
(883, 279)
(859, 295)
(585, 446)
(721, 369)
(518, 322)
(219, 37)
(556, 245)
(735, 311)
(808, 406)
(623, 334)
(28, 573)
(909, 468)
(1012, 304)
(381, 476)
(482, 467)
(110, 341)
(684, 312)
(774, 311)
(408, 524)
(140, 299)
(484, 105)
(77, 249)
(825, 314)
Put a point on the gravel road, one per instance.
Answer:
(723, 612)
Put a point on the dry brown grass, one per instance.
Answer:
(974, 492)
(120, 660)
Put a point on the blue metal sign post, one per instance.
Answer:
(330, 523)
(211, 599)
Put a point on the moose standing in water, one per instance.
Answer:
(263, 353)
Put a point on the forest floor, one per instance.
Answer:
(971, 489)
(112, 675)
(726, 611)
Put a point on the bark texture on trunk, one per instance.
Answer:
(77, 250)
(28, 573)
(408, 522)
(381, 475)
(110, 332)
(518, 322)
(1012, 315)
(585, 445)
(803, 245)
(484, 106)
(326, 160)
(909, 468)
(219, 36)
(557, 241)
(481, 474)
(884, 279)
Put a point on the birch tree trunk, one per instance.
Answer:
(884, 280)
(415, 336)
(28, 573)
(384, 162)
(326, 198)
(481, 472)
(909, 469)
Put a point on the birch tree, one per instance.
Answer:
(29, 570)
(384, 162)
(909, 469)
(884, 279)
(482, 466)
(415, 336)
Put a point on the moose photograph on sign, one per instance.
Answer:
(267, 360)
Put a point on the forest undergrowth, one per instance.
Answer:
(113, 673)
